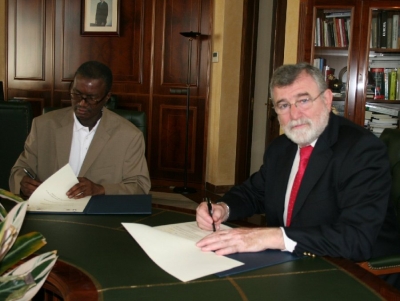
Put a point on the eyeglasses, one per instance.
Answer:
(90, 99)
(283, 107)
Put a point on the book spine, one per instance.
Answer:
(326, 34)
(389, 32)
(317, 41)
(374, 28)
(387, 82)
(348, 30)
(343, 32)
(378, 76)
(378, 29)
(393, 84)
(398, 84)
(395, 31)
(383, 32)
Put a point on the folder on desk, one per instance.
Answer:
(119, 204)
(51, 197)
(257, 260)
(105, 204)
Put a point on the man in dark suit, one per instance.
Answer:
(101, 13)
(342, 207)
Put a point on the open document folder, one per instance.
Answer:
(173, 248)
(50, 197)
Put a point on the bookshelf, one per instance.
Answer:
(356, 44)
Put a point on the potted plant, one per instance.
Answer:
(20, 278)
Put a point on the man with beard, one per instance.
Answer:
(106, 151)
(342, 207)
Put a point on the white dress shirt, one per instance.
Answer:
(291, 244)
(81, 139)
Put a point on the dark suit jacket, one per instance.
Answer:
(342, 208)
(115, 158)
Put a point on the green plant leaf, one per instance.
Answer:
(3, 213)
(24, 246)
(25, 280)
(10, 196)
(10, 227)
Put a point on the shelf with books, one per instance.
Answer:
(385, 29)
(332, 28)
(359, 56)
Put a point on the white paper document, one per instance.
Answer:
(51, 195)
(173, 248)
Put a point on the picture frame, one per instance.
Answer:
(100, 17)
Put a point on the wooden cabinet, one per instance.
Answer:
(148, 59)
(351, 37)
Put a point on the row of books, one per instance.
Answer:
(377, 122)
(386, 84)
(379, 116)
(332, 32)
(385, 31)
(320, 62)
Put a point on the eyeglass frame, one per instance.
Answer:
(91, 102)
(298, 101)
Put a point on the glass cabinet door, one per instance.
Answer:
(332, 40)
(382, 89)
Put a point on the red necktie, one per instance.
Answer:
(305, 153)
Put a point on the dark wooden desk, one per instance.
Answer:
(112, 266)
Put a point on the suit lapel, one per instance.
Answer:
(63, 139)
(100, 139)
(319, 160)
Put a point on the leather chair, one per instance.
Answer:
(136, 117)
(15, 125)
(389, 264)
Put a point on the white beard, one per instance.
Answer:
(306, 135)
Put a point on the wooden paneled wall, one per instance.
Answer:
(148, 59)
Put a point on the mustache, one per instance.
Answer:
(297, 122)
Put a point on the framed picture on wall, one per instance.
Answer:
(100, 17)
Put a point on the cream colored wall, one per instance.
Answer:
(224, 92)
(2, 41)
(292, 30)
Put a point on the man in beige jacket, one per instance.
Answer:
(106, 152)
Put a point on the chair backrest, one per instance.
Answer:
(15, 125)
(136, 117)
(391, 137)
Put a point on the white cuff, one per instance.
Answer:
(289, 244)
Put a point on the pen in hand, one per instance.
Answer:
(29, 174)
(210, 211)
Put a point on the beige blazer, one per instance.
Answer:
(115, 158)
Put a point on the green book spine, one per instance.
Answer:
(393, 84)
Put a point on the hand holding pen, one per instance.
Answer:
(29, 184)
(33, 177)
(210, 210)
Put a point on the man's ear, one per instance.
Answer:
(107, 98)
(328, 98)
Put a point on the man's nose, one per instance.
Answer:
(294, 112)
